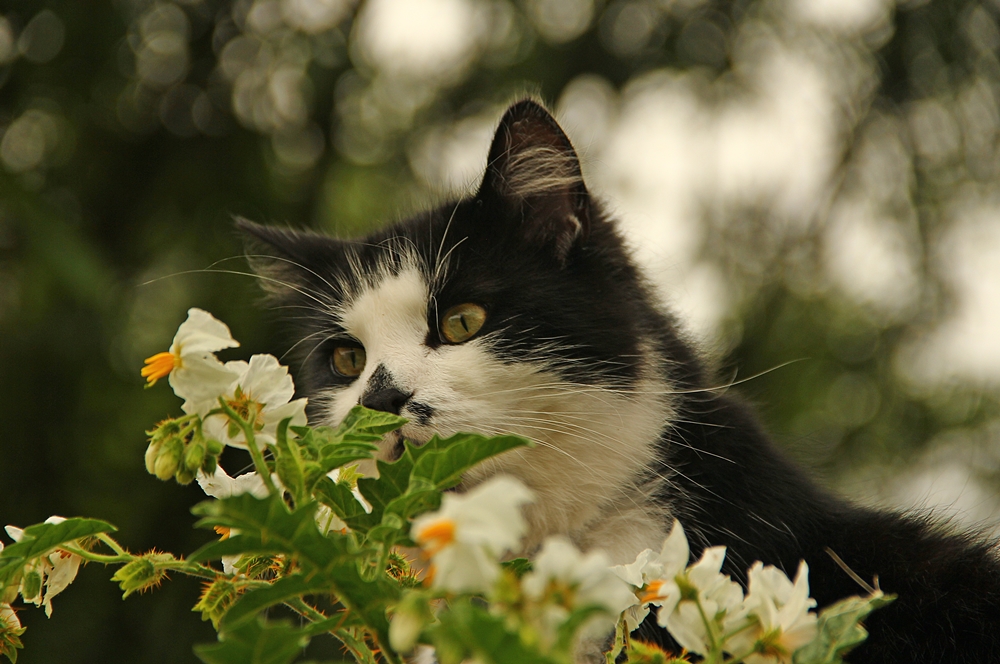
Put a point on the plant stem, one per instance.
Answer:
(715, 648)
(102, 558)
(112, 544)
(191, 569)
(301, 607)
(255, 453)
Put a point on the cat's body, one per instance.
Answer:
(519, 310)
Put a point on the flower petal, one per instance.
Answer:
(200, 382)
(201, 333)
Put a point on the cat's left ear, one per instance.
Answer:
(534, 173)
(286, 260)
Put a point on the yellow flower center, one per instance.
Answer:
(248, 409)
(158, 366)
(436, 536)
(652, 591)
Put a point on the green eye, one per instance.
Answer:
(348, 360)
(462, 322)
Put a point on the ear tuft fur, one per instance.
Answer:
(534, 170)
(283, 258)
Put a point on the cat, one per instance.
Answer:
(520, 310)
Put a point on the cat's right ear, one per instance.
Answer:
(287, 260)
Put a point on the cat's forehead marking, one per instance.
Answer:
(392, 309)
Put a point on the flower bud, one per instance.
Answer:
(151, 452)
(31, 586)
(184, 476)
(194, 456)
(169, 459)
(141, 573)
(216, 598)
(214, 447)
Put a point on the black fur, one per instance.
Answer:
(560, 287)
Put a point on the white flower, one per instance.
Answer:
(651, 572)
(196, 375)
(563, 579)
(781, 608)
(56, 570)
(467, 536)
(220, 485)
(567, 579)
(703, 583)
(260, 393)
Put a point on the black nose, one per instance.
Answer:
(386, 399)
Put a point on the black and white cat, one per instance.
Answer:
(519, 310)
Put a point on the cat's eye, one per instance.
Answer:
(348, 360)
(462, 322)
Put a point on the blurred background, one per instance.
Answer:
(807, 180)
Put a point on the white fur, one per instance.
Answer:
(591, 443)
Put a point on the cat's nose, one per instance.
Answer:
(382, 392)
(388, 400)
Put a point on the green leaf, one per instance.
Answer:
(519, 566)
(42, 538)
(288, 464)
(341, 500)
(840, 629)
(392, 482)
(267, 527)
(256, 642)
(444, 466)
(415, 501)
(392, 527)
(335, 456)
(362, 421)
(279, 591)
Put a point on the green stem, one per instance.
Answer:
(357, 647)
(112, 544)
(715, 648)
(304, 609)
(255, 453)
(102, 558)
(750, 622)
(191, 569)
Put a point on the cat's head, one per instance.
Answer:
(516, 310)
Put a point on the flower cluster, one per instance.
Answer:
(259, 391)
(708, 614)
(222, 401)
(47, 575)
(465, 541)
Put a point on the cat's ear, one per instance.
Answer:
(286, 260)
(534, 172)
